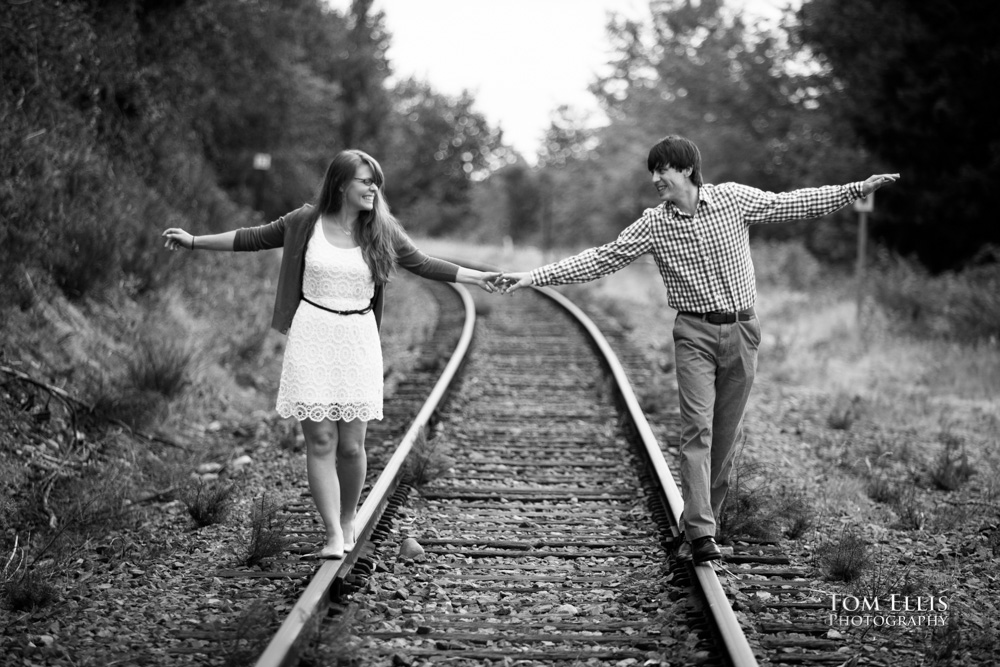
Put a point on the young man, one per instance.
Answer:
(699, 238)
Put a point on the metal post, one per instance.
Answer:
(862, 253)
(863, 206)
(261, 164)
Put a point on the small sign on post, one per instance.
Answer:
(863, 206)
(262, 161)
(261, 165)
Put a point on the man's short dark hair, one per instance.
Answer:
(677, 152)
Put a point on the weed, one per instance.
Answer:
(882, 579)
(267, 538)
(951, 469)
(845, 411)
(29, 591)
(160, 364)
(427, 461)
(92, 503)
(209, 504)
(799, 514)
(845, 559)
(756, 508)
(881, 489)
(743, 513)
(908, 509)
(135, 409)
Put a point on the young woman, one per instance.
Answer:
(338, 256)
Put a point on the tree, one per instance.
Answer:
(438, 147)
(696, 69)
(916, 79)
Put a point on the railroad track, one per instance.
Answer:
(551, 539)
(548, 542)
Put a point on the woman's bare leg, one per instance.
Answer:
(352, 466)
(322, 439)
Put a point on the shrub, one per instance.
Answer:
(951, 469)
(88, 503)
(267, 538)
(908, 509)
(160, 364)
(209, 504)
(134, 408)
(845, 559)
(958, 306)
(757, 508)
(845, 411)
(884, 578)
(881, 489)
(30, 591)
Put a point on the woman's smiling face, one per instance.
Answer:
(360, 192)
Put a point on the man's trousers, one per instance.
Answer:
(716, 364)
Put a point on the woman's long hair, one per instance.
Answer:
(377, 230)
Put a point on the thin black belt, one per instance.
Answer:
(342, 312)
(723, 318)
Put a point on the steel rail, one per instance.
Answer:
(282, 651)
(737, 647)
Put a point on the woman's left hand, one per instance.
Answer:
(488, 280)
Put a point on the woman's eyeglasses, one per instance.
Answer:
(368, 182)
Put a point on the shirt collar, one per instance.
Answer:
(706, 197)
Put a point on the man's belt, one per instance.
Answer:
(723, 318)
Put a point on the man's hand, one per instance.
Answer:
(511, 282)
(875, 182)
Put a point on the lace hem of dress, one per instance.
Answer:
(335, 412)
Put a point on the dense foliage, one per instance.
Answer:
(701, 71)
(915, 80)
(121, 119)
(845, 89)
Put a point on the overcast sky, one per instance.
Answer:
(521, 59)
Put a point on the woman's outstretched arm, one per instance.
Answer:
(178, 238)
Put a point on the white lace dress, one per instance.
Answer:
(332, 367)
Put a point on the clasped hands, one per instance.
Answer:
(504, 282)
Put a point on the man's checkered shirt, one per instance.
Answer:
(704, 260)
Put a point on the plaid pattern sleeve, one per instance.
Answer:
(758, 206)
(601, 261)
(703, 259)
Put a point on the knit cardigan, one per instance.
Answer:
(292, 231)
